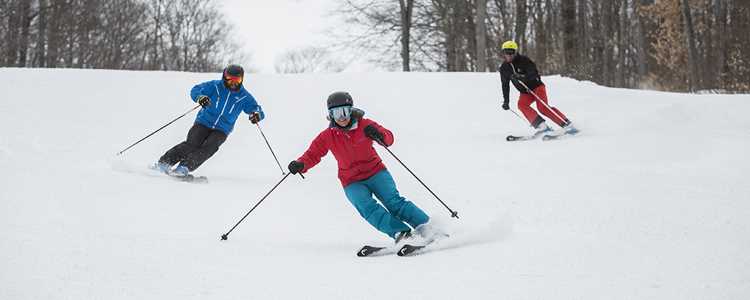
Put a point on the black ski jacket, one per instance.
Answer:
(523, 65)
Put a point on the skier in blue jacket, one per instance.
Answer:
(221, 102)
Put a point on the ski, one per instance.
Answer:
(190, 178)
(513, 138)
(557, 136)
(371, 251)
(186, 178)
(408, 250)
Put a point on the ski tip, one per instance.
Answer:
(513, 138)
(368, 250)
(408, 250)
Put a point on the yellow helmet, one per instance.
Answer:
(510, 45)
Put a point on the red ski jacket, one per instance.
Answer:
(353, 150)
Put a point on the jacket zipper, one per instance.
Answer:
(222, 110)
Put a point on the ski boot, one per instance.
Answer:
(429, 233)
(570, 129)
(402, 237)
(162, 167)
(542, 130)
(180, 171)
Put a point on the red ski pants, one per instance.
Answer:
(524, 104)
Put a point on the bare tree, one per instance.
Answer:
(187, 35)
(692, 55)
(481, 35)
(406, 9)
(569, 35)
(308, 60)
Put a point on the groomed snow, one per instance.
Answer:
(651, 201)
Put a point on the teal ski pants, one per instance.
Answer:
(395, 212)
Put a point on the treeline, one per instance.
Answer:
(184, 35)
(675, 45)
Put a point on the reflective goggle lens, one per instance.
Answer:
(233, 79)
(340, 113)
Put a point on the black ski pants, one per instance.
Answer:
(202, 142)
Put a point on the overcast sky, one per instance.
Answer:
(267, 28)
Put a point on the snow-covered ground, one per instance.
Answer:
(651, 201)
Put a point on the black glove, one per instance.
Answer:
(506, 105)
(375, 134)
(296, 167)
(255, 117)
(204, 101)
(517, 76)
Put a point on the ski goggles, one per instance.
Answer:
(509, 51)
(341, 113)
(233, 79)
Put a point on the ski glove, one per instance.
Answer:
(506, 105)
(255, 117)
(296, 167)
(204, 101)
(374, 134)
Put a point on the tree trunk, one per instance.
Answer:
(620, 24)
(720, 15)
(40, 59)
(54, 36)
(155, 44)
(640, 37)
(693, 83)
(11, 52)
(599, 33)
(23, 45)
(407, 7)
(540, 37)
(481, 35)
(521, 20)
(569, 37)
(583, 68)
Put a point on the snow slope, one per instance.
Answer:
(649, 202)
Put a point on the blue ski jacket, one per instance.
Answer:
(225, 105)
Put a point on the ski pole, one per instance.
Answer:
(165, 125)
(520, 118)
(513, 111)
(225, 236)
(540, 100)
(269, 148)
(454, 214)
(537, 96)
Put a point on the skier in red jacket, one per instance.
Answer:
(350, 138)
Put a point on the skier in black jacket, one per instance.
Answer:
(522, 71)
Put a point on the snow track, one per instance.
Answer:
(649, 201)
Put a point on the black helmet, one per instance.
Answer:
(340, 99)
(234, 70)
